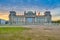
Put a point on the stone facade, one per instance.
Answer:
(29, 18)
(2, 21)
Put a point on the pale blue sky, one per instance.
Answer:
(22, 5)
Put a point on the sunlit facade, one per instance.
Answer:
(29, 18)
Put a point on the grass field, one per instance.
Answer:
(24, 33)
(4, 30)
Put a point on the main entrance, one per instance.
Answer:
(30, 20)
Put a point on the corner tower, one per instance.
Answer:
(12, 16)
(48, 16)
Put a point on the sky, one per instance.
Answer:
(35, 5)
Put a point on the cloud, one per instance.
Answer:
(21, 5)
(55, 11)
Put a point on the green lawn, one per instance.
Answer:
(11, 29)
(12, 33)
(22, 33)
